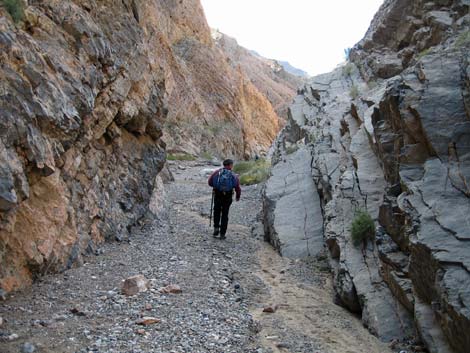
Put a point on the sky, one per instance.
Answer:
(310, 34)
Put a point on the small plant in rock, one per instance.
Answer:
(354, 92)
(372, 84)
(348, 69)
(423, 53)
(206, 155)
(14, 8)
(252, 172)
(463, 39)
(362, 228)
(180, 157)
(292, 149)
(312, 138)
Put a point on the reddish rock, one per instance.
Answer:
(78, 311)
(147, 320)
(140, 331)
(270, 309)
(134, 285)
(171, 289)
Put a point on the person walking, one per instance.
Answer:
(223, 181)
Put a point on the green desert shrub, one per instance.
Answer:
(463, 39)
(348, 69)
(180, 157)
(423, 53)
(354, 92)
(252, 172)
(14, 8)
(362, 228)
(206, 155)
(292, 149)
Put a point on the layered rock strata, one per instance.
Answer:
(389, 132)
(90, 93)
(267, 75)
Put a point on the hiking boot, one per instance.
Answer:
(222, 236)
(216, 231)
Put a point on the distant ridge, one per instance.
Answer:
(286, 65)
(293, 70)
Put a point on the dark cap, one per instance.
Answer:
(227, 162)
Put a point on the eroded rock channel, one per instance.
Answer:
(225, 286)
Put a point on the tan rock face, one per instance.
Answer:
(92, 93)
(267, 75)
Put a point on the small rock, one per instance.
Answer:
(77, 311)
(171, 289)
(272, 338)
(134, 285)
(28, 348)
(148, 320)
(148, 306)
(140, 331)
(270, 309)
(3, 294)
(282, 345)
(1, 321)
(12, 337)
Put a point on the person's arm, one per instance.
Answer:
(211, 178)
(238, 189)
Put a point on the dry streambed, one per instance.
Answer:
(199, 294)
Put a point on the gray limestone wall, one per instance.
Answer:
(388, 133)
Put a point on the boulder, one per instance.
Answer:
(134, 285)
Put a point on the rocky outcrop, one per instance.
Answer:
(389, 133)
(91, 93)
(296, 226)
(268, 76)
(82, 107)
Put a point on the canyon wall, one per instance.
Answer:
(92, 94)
(388, 132)
(267, 75)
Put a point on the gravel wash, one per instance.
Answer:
(225, 285)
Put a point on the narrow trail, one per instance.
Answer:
(225, 287)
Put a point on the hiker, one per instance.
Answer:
(223, 181)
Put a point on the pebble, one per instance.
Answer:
(28, 348)
(147, 320)
(171, 289)
(77, 311)
(270, 309)
(1, 321)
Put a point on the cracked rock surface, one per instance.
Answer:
(388, 132)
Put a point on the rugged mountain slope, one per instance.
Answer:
(390, 132)
(88, 88)
(268, 76)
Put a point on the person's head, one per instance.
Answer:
(228, 164)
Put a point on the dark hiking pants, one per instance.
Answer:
(222, 204)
